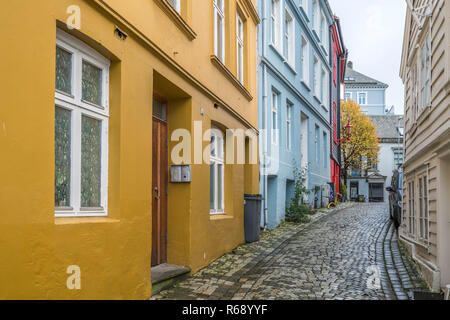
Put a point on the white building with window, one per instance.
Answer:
(390, 135)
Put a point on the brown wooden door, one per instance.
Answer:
(159, 183)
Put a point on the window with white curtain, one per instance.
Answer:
(411, 209)
(305, 6)
(274, 132)
(289, 38)
(276, 24)
(219, 29)
(240, 48)
(81, 128)
(305, 60)
(175, 4)
(217, 172)
(316, 16)
(316, 77)
(325, 89)
(288, 125)
(426, 73)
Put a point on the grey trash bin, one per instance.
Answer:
(252, 217)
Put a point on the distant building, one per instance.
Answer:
(372, 182)
(366, 91)
(390, 134)
(371, 95)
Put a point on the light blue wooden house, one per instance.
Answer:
(294, 77)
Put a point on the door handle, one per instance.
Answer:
(157, 193)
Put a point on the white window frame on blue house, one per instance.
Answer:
(219, 35)
(305, 6)
(288, 125)
(276, 25)
(305, 60)
(317, 82)
(325, 149)
(80, 108)
(325, 80)
(317, 143)
(325, 33)
(316, 18)
(289, 37)
(359, 98)
(274, 127)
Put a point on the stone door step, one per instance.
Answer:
(166, 275)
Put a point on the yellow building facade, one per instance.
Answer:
(87, 134)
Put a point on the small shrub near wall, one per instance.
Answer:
(297, 211)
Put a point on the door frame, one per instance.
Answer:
(160, 171)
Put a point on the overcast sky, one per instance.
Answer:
(373, 33)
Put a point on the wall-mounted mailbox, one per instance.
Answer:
(180, 174)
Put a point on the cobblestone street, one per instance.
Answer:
(335, 256)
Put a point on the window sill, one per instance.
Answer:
(324, 108)
(277, 51)
(83, 220)
(306, 85)
(177, 19)
(216, 61)
(220, 216)
(316, 36)
(290, 67)
(317, 99)
(423, 114)
(305, 15)
(324, 50)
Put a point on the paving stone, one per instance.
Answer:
(334, 257)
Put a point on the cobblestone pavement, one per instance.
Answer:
(339, 255)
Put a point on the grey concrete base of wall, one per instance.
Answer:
(430, 273)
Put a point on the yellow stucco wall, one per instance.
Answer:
(113, 253)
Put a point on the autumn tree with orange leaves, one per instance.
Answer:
(361, 151)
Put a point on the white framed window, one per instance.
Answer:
(305, 6)
(176, 5)
(217, 173)
(305, 60)
(240, 48)
(288, 125)
(362, 98)
(316, 77)
(317, 143)
(411, 209)
(398, 159)
(81, 129)
(325, 89)
(325, 149)
(426, 73)
(276, 24)
(274, 132)
(324, 32)
(316, 16)
(423, 208)
(348, 96)
(289, 36)
(219, 29)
